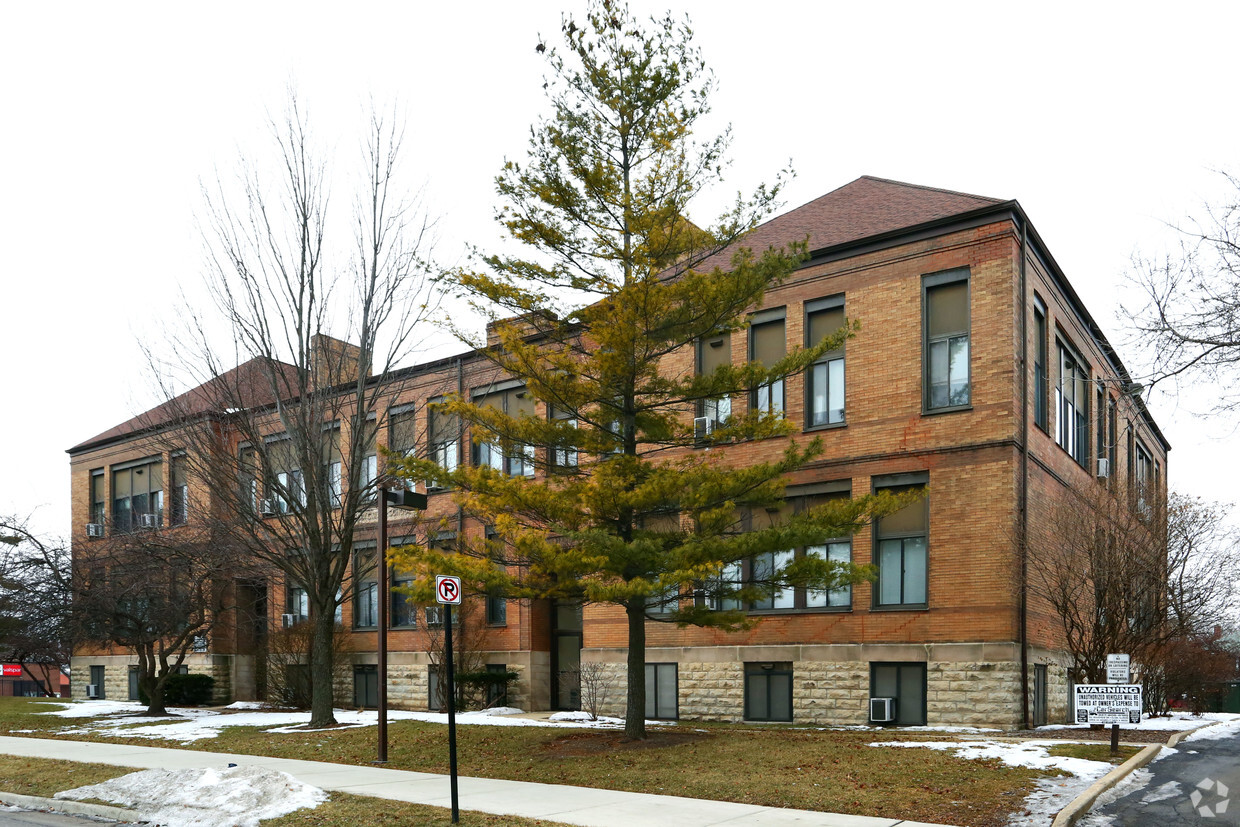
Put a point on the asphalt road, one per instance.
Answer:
(1167, 800)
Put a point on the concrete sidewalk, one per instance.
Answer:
(554, 802)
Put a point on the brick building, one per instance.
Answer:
(977, 374)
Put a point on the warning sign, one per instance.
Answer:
(1099, 703)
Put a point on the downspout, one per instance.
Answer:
(1023, 496)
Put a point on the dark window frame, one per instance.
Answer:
(829, 304)
(1072, 431)
(767, 671)
(897, 483)
(653, 707)
(777, 388)
(1041, 396)
(929, 283)
(899, 666)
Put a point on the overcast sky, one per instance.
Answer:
(1103, 120)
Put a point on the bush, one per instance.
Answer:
(475, 688)
(194, 689)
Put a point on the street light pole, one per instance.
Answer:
(408, 501)
(384, 600)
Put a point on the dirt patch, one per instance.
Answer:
(1127, 736)
(595, 743)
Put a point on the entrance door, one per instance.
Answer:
(133, 683)
(1039, 695)
(566, 656)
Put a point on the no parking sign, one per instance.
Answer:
(448, 590)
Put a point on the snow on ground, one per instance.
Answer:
(1229, 729)
(240, 796)
(124, 719)
(1176, 721)
(1052, 794)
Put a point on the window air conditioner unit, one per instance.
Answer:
(267, 507)
(882, 710)
(94, 529)
(149, 520)
(703, 426)
(289, 620)
(92, 691)
(1104, 468)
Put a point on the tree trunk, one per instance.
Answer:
(154, 689)
(321, 689)
(635, 711)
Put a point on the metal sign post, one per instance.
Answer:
(1117, 673)
(448, 593)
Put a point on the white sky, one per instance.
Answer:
(1103, 120)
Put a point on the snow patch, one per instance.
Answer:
(1226, 730)
(240, 796)
(244, 705)
(1176, 721)
(188, 725)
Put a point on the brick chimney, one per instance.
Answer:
(333, 361)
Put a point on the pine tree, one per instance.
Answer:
(608, 495)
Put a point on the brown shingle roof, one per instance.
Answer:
(866, 207)
(248, 385)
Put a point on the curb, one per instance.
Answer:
(1081, 804)
(77, 808)
(1180, 736)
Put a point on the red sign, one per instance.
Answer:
(447, 589)
(12, 670)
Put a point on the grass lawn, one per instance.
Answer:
(832, 771)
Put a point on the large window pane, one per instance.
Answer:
(889, 571)
(915, 570)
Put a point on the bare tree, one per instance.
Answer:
(1188, 317)
(36, 594)
(157, 594)
(1124, 575)
(318, 315)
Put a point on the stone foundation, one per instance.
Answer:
(966, 684)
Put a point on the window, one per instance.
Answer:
(906, 682)
(247, 478)
(768, 346)
(496, 602)
(401, 433)
(1145, 476)
(825, 389)
(286, 486)
(1072, 402)
(839, 551)
(513, 401)
(365, 589)
(1039, 364)
(497, 692)
(764, 568)
(714, 352)
(1112, 439)
(331, 466)
(901, 540)
(179, 492)
(1039, 694)
(1101, 408)
(298, 603)
(444, 438)
(98, 498)
(564, 456)
(946, 326)
(434, 617)
(366, 686)
(137, 495)
(96, 678)
(661, 691)
(404, 611)
(768, 692)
